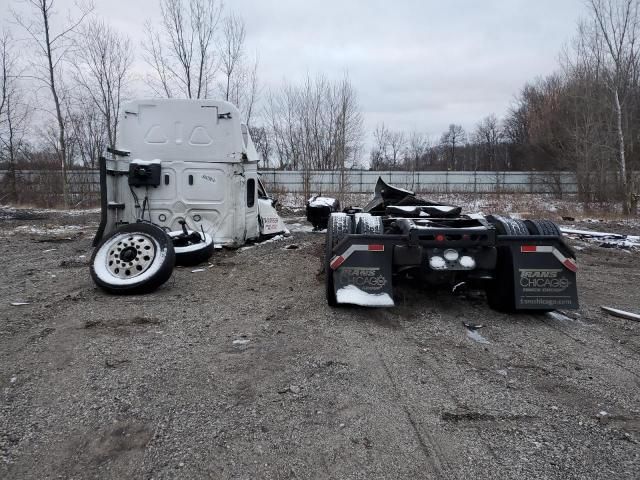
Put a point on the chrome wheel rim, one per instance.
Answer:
(130, 255)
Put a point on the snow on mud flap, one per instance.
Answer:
(136, 258)
(358, 266)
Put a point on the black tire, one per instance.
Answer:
(338, 227)
(190, 253)
(543, 227)
(509, 226)
(368, 224)
(149, 263)
(501, 291)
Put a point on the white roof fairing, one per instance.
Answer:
(183, 130)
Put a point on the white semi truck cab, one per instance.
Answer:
(186, 161)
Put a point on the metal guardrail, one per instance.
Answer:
(87, 182)
(363, 181)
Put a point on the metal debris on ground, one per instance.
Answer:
(621, 313)
(604, 239)
(471, 326)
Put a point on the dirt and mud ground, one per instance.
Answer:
(243, 371)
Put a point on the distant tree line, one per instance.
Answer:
(584, 119)
(63, 79)
(65, 75)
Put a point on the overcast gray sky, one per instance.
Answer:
(416, 65)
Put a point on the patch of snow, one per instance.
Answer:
(476, 337)
(559, 316)
(404, 208)
(604, 239)
(299, 228)
(277, 238)
(591, 233)
(49, 231)
(139, 161)
(197, 270)
(321, 202)
(353, 295)
(241, 341)
(18, 304)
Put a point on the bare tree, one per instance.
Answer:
(488, 137)
(14, 111)
(52, 49)
(450, 140)
(182, 53)
(244, 89)
(417, 148)
(262, 140)
(103, 71)
(7, 65)
(252, 91)
(617, 22)
(88, 132)
(379, 152)
(231, 51)
(397, 144)
(316, 125)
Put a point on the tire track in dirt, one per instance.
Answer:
(440, 463)
(429, 447)
(563, 331)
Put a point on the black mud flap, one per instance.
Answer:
(544, 272)
(362, 271)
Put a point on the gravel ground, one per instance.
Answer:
(243, 371)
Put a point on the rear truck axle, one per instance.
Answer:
(518, 272)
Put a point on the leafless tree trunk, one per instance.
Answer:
(53, 48)
(379, 152)
(397, 144)
(452, 139)
(417, 148)
(182, 54)
(88, 132)
(617, 23)
(14, 111)
(316, 126)
(103, 71)
(231, 51)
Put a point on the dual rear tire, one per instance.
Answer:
(501, 290)
(339, 226)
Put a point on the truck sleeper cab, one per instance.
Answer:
(190, 161)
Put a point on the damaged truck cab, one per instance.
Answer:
(186, 164)
(522, 265)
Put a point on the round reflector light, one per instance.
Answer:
(437, 263)
(467, 262)
(451, 255)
